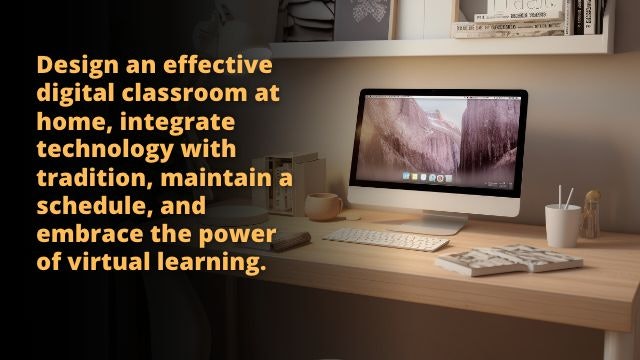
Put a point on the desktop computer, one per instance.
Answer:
(447, 152)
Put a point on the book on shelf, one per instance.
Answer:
(281, 241)
(591, 17)
(503, 259)
(282, 196)
(469, 30)
(578, 24)
(502, 7)
(568, 17)
(524, 16)
(575, 17)
(601, 6)
(590, 11)
(584, 17)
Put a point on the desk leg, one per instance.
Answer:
(618, 345)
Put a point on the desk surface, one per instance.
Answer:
(602, 295)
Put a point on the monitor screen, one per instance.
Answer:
(461, 141)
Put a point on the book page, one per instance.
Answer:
(477, 259)
(529, 255)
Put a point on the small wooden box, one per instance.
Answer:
(309, 176)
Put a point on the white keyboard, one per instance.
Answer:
(391, 239)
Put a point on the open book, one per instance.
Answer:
(497, 260)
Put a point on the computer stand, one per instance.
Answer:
(435, 223)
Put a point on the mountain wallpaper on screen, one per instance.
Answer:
(489, 134)
(398, 135)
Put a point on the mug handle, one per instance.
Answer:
(341, 205)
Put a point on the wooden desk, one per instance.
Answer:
(602, 295)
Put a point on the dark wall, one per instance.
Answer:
(88, 315)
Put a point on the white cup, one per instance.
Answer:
(562, 225)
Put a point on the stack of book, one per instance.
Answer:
(306, 20)
(516, 18)
(586, 17)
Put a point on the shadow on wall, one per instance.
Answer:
(626, 18)
(547, 158)
(337, 186)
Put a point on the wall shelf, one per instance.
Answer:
(543, 45)
(548, 45)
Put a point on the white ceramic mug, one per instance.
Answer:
(322, 206)
(562, 225)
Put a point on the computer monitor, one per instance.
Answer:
(448, 152)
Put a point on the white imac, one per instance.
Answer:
(447, 152)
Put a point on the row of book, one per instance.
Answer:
(517, 18)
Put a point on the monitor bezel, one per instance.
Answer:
(515, 192)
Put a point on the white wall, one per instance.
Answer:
(582, 128)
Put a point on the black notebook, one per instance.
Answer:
(281, 241)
